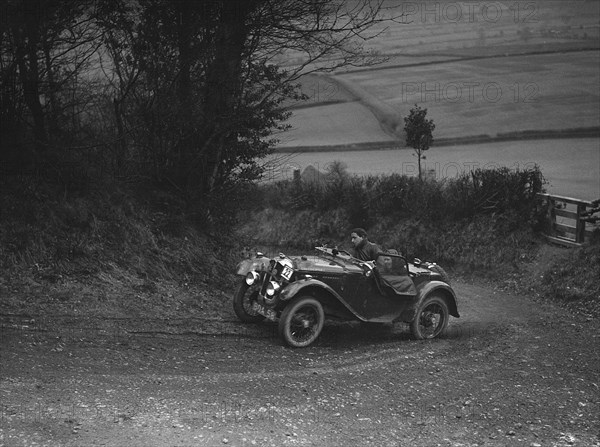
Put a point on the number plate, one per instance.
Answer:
(287, 272)
(268, 313)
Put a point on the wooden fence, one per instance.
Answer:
(567, 219)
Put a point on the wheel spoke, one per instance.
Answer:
(242, 304)
(249, 298)
(303, 323)
(431, 320)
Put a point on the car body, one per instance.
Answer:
(301, 292)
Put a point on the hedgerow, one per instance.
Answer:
(479, 220)
(370, 198)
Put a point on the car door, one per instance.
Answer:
(372, 302)
(357, 287)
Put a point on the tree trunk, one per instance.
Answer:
(122, 145)
(184, 29)
(52, 88)
(187, 145)
(223, 87)
(26, 55)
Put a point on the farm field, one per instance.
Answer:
(430, 31)
(338, 123)
(474, 97)
(531, 67)
(571, 166)
(445, 28)
(495, 95)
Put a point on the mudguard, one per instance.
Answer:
(425, 290)
(293, 289)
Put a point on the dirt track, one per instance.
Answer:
(505, 374)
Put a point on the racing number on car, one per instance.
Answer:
(287, 272)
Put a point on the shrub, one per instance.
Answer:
(368, 199)
(480, 220)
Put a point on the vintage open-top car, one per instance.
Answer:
(302, 291)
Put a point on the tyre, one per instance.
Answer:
(301, 321)
(431, 319)
(242, 304)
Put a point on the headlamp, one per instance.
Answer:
(252, 277)
(272, 288)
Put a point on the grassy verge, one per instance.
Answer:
(572, 281)
(482, 246)
(485, 225)
(112, 251)
(108, 251)
(445, 219)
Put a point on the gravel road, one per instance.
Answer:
(505, 374)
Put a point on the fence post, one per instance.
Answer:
(580, 224)
(552, 214)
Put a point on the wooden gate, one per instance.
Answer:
(568, 225)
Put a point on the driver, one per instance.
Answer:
(364, 249)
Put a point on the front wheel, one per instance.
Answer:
(301, 322)
(242, 304)
(431, 319)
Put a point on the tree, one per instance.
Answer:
(419, 132)
(213, 76)
(45, 48)
(186, 92)
(247, 42)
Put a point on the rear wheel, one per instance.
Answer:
(242, 304)
(301, 322)
(432, 318)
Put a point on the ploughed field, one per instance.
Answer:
(529, 67)
(570, 166)
(544, 92)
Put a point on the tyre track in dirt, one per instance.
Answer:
(506, 373)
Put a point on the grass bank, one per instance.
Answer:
(113, 251)
(484, 226)
(107, 250)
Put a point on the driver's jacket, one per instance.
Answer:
(366, 250)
